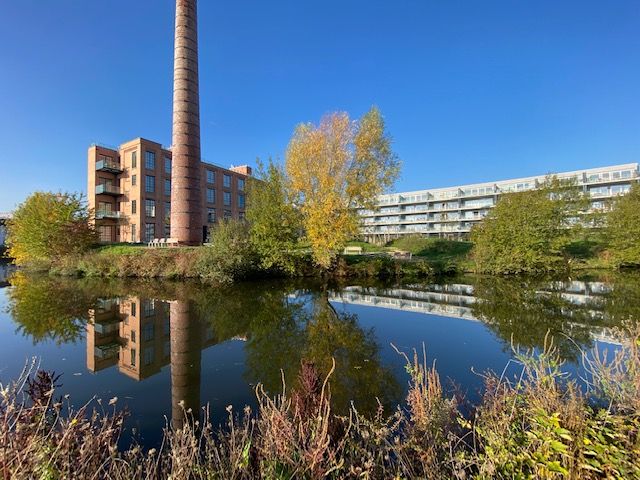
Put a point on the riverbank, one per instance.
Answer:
(203, 263)
(540, 426)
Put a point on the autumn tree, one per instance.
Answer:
(50, 225)
(623, 229)
(333, 168)
(274, 219)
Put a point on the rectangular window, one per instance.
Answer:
(241, 200)
(211, 176)
(149, 160)
(105, 233)
(133, 357)
(134, 159)
(149, 232)
(241, 216)
(134, 206)
(227, 214)
(227, 199)
(167, 230)
(167, 165)
(149, 353)
(133, 309)
(150, 208)
(227, 180)
(149, 184)
(241, 184)
(167, 187)
(211, 195)
(167, 209)
(134, 180)
(133, 233)
(149, 308)
(133, 336)
(147, 332)
(211, 215)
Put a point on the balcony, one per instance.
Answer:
(105, 189)
(108, 166)
(109, 215)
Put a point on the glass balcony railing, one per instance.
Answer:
(108, 214)
(108, 166)
(105, 189)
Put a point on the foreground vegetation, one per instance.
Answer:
(538, 425)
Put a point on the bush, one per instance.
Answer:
(229, 256)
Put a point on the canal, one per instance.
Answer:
(160, 346)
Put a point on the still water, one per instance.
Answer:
(156, 344)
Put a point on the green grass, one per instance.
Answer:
(366, 247)
(436, 249)
(121, 249)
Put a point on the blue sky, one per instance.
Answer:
(471, 91)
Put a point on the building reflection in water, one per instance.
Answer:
(140, 336)
(580, 301)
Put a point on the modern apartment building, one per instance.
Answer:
(451, 212)
(129, 188)
(4, 218)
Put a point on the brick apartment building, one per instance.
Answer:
(129, 188)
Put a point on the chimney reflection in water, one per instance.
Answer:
(186, 344)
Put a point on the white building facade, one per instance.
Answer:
(451, 212)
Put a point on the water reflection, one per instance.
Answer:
(520, 311)
(168, 330)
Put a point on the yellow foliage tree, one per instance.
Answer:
(334, 168)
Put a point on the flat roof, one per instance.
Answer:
(623, 166)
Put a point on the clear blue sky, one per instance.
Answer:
(471, 91)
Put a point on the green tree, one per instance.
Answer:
(333, 168)
(528, 232)
(275, 223)
(623, 229)
(47, 226)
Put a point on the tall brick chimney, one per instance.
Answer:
(186, 199)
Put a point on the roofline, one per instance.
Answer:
(634, 165)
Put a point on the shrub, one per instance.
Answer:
(229, 255)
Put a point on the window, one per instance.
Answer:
(150, 160)
(167, 230)
(133, 232)
(133, 309)
(167, 165)
(167, 210)
(149, 353)
(227, 180)
(105, 233)
(167, 187)
(133, 336)
(134, 180)
(147, 332)
(150, 208)
(211, 176)
(133, 357)
(134, 206)
(148, 308)
(211, 195)
(105, 158)
(241, 200)
(149, 184)
(241, 216)
(211, 215)
(227, 214)
(241, 184)
(227, 199)
(149, 232)
(134, 159)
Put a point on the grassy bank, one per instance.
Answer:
(539, 425)
(211, 265)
